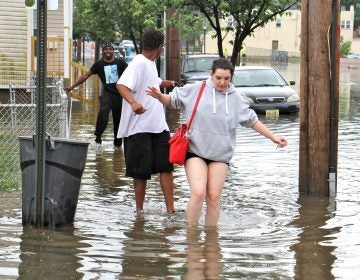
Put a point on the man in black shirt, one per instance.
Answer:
(109, 70)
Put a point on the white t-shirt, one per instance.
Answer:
(141, 73)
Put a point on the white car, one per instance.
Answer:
(265, 89)
(128, 43)
(196, 67)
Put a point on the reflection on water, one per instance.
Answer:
(314, 253)
(203, 254)
(50, 254)
(266, 231)
(147, 251)
(107, 168)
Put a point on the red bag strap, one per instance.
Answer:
(196, 104)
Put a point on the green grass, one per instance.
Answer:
(9, 174)
(10, 185)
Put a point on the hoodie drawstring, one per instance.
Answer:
(214, 102)
(226, 103)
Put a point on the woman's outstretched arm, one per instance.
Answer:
(163, 98)
(263, 130)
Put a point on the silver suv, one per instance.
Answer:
(196, 67)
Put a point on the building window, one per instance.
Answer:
(278, 23)
(348, 24)
(345, 24)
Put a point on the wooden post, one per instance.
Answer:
(78, 49)
(173, 50)
(319, 86)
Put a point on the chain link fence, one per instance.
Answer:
(18, 118)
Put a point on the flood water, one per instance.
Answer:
(266, 230)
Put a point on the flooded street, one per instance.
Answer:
(266, 230)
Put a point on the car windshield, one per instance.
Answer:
(198, 64)
(257, 78)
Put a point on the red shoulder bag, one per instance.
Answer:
(179, 142)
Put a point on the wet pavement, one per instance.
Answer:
(266, 230)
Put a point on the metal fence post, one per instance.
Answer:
(40, 109)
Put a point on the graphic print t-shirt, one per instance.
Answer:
(109, 73)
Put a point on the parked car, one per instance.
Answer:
(128, 43)
(266, 89)
(117, 53)
(196, 67)
(122, 47)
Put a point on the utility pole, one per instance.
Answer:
(319, 86)
(173, 51)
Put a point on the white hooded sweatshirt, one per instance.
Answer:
(212, 132)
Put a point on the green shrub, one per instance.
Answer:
(345, 47)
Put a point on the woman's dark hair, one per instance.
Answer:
(152, 39)
(222, 63)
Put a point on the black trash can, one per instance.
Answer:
(65, 163)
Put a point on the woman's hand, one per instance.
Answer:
(154, 92)
(281, 141)
(163, 98)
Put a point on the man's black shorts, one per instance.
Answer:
(146, 154)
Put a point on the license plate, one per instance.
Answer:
(274, 113)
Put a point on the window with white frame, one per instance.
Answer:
(345, 24)
(348, 24)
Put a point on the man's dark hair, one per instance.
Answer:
(152, 39)
(222, 63)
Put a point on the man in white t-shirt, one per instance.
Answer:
(143, 124)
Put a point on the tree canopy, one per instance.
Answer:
(104, 19)
(240, 17)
